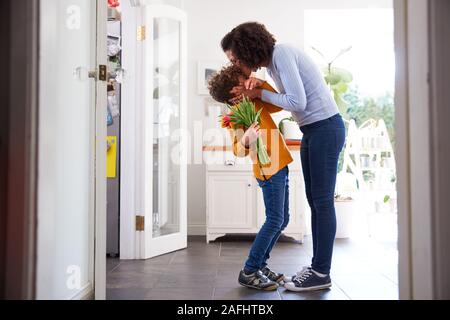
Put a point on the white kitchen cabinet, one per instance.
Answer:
(234, 201)
(231, 201)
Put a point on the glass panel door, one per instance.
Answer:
(164, 126)
(166, 122)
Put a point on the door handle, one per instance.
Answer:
(92, 74)
(82, 74)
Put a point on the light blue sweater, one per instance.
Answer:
(302, 89)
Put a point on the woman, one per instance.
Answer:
(303, 92)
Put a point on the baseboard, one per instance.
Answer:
(85, 293)
(196, 230)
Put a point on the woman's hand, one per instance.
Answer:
(250, 136)
(252, 83)
(240, 92)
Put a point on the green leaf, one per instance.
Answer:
(344, 75)
(332, 79)
(340, 88)
(257, 118)
(340, 103)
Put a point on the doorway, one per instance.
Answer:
(414, 176)
(371, 213)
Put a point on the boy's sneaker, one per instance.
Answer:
(272, 275)
(298, 274)
(309, 281)
(257, 280)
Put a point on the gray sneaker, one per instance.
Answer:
(298, 274)
(309, 281)
(257, 280)
(272, 275)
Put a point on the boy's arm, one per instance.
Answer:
(238, 149)
(268, 106)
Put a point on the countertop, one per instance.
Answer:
(292, 145)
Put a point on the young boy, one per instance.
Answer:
(273, 178)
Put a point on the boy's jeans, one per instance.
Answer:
(276, 200)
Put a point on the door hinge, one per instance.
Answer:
(140, 223)
(141, 33)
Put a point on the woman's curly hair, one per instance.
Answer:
(223, 82)
(250, 43)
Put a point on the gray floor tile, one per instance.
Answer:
(200, 251)
(330, 294)
(111, 263)
(242, 293)
(118, 280)
(233, 260)
(226, 282)
(195, 259)
(160, 260)
(140, 267)
(180, 294)
(234, 252)
(126, 294)
(367, 287)
(189, 269)
(230, 269)
(185, 281)
(205, 271)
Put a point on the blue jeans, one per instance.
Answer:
(276, 200)
(321, 145)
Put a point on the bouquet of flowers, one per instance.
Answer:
(244, 115)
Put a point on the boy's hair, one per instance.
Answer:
(223, 82)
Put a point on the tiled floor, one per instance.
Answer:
(361, 270)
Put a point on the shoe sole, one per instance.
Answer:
(280, 280)
(316, 288)
(270, 288)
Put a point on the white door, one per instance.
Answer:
(72, 150)
(164, 127)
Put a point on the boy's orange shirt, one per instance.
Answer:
(279, 154)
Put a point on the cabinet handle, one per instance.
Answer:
(230, 163)
(249, 185)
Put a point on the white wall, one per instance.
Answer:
(208, 22)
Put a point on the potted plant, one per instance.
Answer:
(345, 210)
(338, 79)
(289, 129)
(345, 203)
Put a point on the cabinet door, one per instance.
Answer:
(296, 201)
(230, 201)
